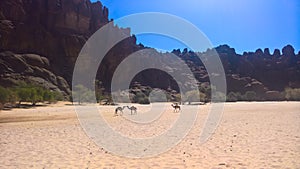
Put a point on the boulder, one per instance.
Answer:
(36, 60)
(29, 68)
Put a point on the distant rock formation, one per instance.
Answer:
(259, 71)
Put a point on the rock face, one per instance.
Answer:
(64, 16)
(55, 29)
(46, 36)
(15, 68)
(259, 71)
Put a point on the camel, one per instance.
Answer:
(120, 109)
(176, 106)
(132, 109)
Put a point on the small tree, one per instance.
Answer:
(144, 101)
(99, 90)
(158, 96)
(219, 97)
(239, 96)
(177, 97)
(13, 96)
(52, 96)
(78, 93)
(82, 94)
(57, 96)
(33, 96)
(23, 94)
(292, 94)
(88, 96)
(140, 98)
(250, 96)
(206, 89)
(232, 97)
(3, 96)
(195, 96)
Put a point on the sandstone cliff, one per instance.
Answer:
(44, 38)
(55, 29)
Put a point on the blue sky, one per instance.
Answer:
(243, 24)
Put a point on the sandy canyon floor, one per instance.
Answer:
(250, 135)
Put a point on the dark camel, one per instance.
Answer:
(133, 110)
(176, 106)
(119, 109)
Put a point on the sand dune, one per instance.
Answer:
(250, 135)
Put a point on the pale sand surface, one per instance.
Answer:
(250, 135)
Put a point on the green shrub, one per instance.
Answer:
(137, 96)
(195, 96)
(219, 97)
(13, 96)
(158, 96)
(82, 94)
(169, 96)
(23, 94)
(99, 91)
(48, 96)
(52, 96)
(250, 96)
(239, 96)
(58, 96)
(88, 97)
(143, 101)
(4, 95)
(28, 93)
(120, 96)
(206, 89)
(141, 98)
(232, 97)
(176, 97)
(34, 97)
(292, 94)
(99, 96)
